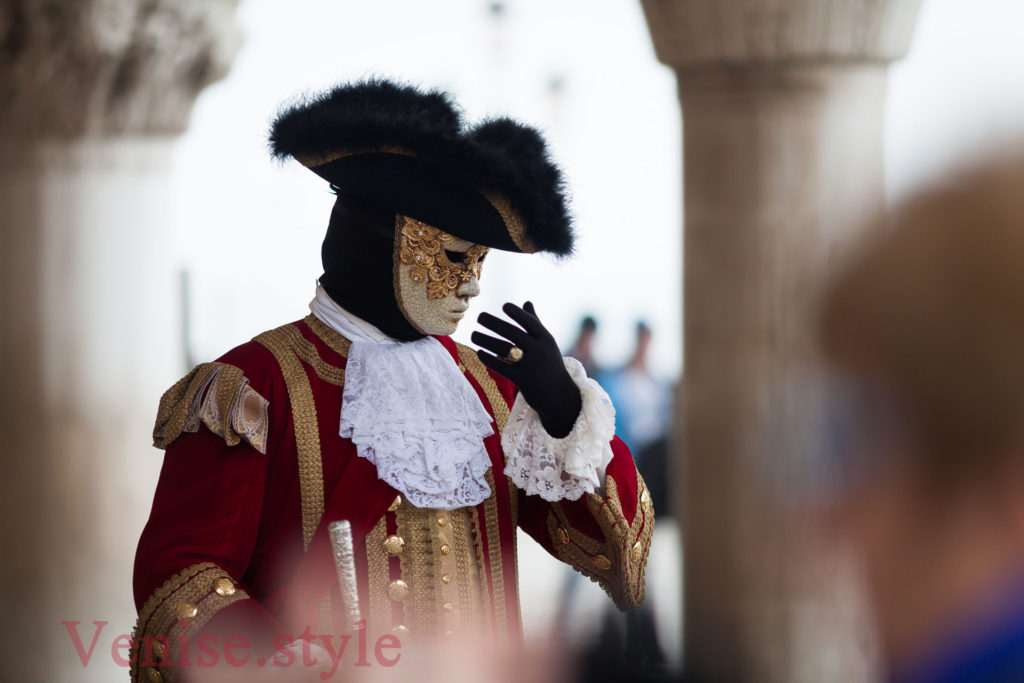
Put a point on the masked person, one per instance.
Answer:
(366, 411)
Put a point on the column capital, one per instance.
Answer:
(102, 68)
(693, 34)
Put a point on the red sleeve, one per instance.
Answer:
(196, 548)
(606, 538)
(206, 509)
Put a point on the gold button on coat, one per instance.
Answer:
(401, 629)
(446, 578)
(645, 497)
(563, 535)
(441, 521)
(186, 610)
(397, 590)
(394, 545)
(602, 562)
(637, 550)
(225, 586)
(154, 676)
(448, 607)
(395, 505)
(158, 651)
(445, 549)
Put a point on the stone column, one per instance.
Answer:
(94, 93)
(782, 104)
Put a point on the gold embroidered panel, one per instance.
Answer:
(439, 588)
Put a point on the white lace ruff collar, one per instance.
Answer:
(412, 413)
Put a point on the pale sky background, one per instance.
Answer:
(585, 73)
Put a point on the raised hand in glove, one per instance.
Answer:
(529, 357)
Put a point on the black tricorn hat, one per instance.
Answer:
(409, 151)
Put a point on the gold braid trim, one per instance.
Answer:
(328, 336)
(461, 534)
(500, 411)
(280, 342)
(307, 353)
(216, 395)
(494, 552)
(379, 578)
(478, 542)
(478, 370)
(421, 607)
(513, 222)
(173, 614)
(618, 563)
(314, 160)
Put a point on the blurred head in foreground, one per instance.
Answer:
(924, 329)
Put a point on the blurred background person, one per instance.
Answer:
(583, 348)
(643, 405)
(924, 331)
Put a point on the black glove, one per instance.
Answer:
(540, 374)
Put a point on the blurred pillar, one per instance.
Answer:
(782, 106)
(94, 93)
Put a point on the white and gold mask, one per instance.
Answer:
(436, 275)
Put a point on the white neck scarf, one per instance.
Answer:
(411, 412)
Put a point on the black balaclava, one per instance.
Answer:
(358, 257)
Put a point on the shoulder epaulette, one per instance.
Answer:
(217, 395)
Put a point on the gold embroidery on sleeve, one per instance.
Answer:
(175, 612)
(617, 563)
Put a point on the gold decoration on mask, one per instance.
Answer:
(423, 248)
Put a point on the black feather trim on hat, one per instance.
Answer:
(408, 151)
(374, 114)
(531, 180)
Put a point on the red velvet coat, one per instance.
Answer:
(236, 543)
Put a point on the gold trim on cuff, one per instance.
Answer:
(618, 562)
(175, 612)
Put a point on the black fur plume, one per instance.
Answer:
(373, 113)
(531, 181)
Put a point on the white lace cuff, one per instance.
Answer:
(566, 468)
